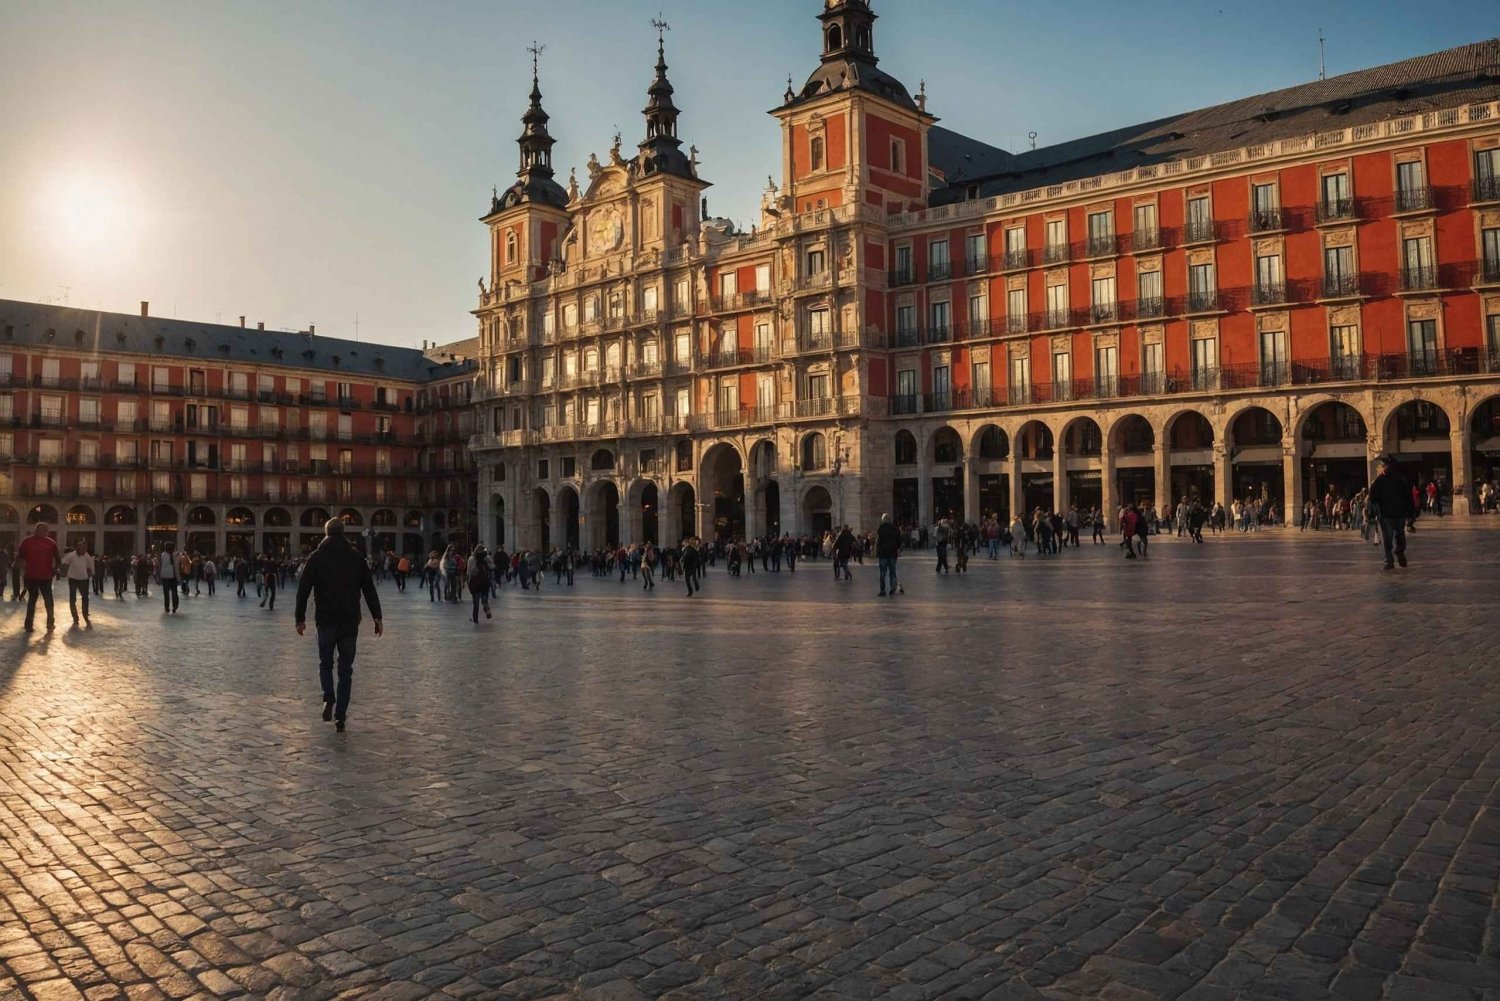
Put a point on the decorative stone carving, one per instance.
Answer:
(1272, 322)
(1202, 255)
(1061, 343)
(1204, 330)
(1111, 339)
(1019, 349)
(1416, 228)
(1013, 282)
(1106, 270)
(1339, 237)
(980, 354)
(1057, 276)
(1151, 334)
(1268, 247)
(1343, 316)
(1489, 219)
(1147, 264)
(1425, 310)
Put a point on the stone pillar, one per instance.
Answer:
(1374, 448)
(754, 509)
(924, 493)
(788, 508)
(629, 529)
(1458, 446)
(1163, 463)
(485, 505)
(1223, 474)
(1109, 503)
(1061, 494)
(1016, 495)
(1291, 469)
(219, 533)
(971, 492)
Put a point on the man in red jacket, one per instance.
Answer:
(39, 561)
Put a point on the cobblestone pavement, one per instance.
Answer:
(1259, 768)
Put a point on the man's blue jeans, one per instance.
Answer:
(887, 569)
(340, 640)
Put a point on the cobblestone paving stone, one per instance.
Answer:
(1255, 769)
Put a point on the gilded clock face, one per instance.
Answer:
(607, 231)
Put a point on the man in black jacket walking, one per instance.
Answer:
(1390, 502)
(336, 576)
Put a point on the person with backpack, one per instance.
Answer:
(480, 576)
(166, 574)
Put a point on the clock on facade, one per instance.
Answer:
(607, 230)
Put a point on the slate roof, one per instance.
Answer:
(36, 324)
(1469, 74)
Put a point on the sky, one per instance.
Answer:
(325, 162)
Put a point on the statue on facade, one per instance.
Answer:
(573, 184)
(594, 167)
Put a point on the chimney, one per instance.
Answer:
(145, 308)
(311, 330)
(242, 323)
(261, 325)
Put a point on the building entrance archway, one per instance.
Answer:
(723, 481)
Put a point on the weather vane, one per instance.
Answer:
(536, 52)
(659, 22)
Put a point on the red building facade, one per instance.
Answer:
(131, 431)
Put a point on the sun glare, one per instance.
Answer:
(87, 210)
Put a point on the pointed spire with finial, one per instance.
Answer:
(535, 177)
(661, 152)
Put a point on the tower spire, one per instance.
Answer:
(535, 177)
(661, 152)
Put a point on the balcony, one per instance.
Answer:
(1266, 221)
(742, 300)
(973, 330)
(815, 280)
(1056, 253)
(1200, 231)
(1101, 246)
(905, 405)
(1203, 301)
(1337, 210)
(1268, 294)
(1340, 287)
(899, 278)
(817, 342)
(1485, 189)
(680, 366)
(1104, 312)
(1423, 279)
(977, 265)
(824, 407)
(907, 337)
(1015, 260)
(1017, 324)
(1143, 240)
(731, 358)
(1414, 199)
(1057, 319)
(1150, 308)
(644, 369)
(940, 271)
(1488, 272)
(127, 387)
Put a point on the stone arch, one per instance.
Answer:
(567, 506)
(812, 450)
(1253, 426)
(682, 513)
(1419, 436)
(119, 515)
(1132, 434)
(1333, 420)
(990, 443)
(835, 38)
(602, 514)
(201, 516)
(240, 517)
(315, 517)
(1188, 430)
(383, 518)
(904, 448)
(1416, 417)
(9, 515)
(1034, 441)
(277, 517)
(763, 458)
(541, 502)
(82, 514)
(1082, 437)
(42, 513)
(945, 446)
(643, 506)
(817, 510)
(722, 482)
(603, 460)
(349, 516)
(164, 516)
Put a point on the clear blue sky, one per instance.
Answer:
(309, 162)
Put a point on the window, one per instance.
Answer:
(939, 265)
(88, 411)
(1062, 375)
(1103, 291)
(53, 412)
(814, 452)
(906, 322)
(1273, 362)
(1145, 226)
(1200, 220)
(510, 247)
(125, 414)
(1205, 363)
(1339, 277)
(1410, 176)
(903, 263)
(590, 308)
(817, 387)
(1422, 346)
(729, 396)
(817, 154)
(816, 263)
(729, 284)
(1101, 234)
(1487, 175)
(1107, 370)
(1337, 201)
(88, 371)
(7, 445)
(1057, 305)
(7, 406)
(942, 387)
(1492, 328)
(1265, 213)
(1020, 380)
(160, 378)
(817, 324)
(51, 371)
(763, 277)
(49, 451)
(1418, 270)
(906, 390)
(979, 374)
(974, 252)
(346, 427)
(1148, 293)
(125, 375)
(1343, 351)
(940, 314)
(1057, 235)
(570, 317)
(1201, 287)
(1490, 260)
(898, 156)
(979, 314)
(1015, 310)
(1268, 284)
(1015, 247)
